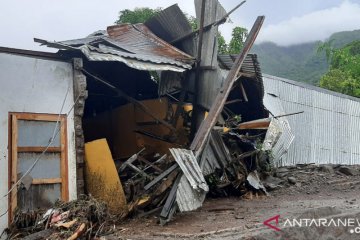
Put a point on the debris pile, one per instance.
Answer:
(85, 218)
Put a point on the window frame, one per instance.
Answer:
(14, 150)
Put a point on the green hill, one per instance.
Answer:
(299, 62)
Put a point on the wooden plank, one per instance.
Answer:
(14, 140)
(38, 181)
(64, 159)
(243, 92)
(199, 141)
(38, 116)
(148, 163)
(161, 176)
(38, 149)
(130, 160)
(256, 124)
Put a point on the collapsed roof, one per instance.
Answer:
(132, 44)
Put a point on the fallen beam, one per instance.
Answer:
(200, 138)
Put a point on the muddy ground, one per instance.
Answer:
(321, 191)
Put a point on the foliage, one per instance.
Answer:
(222, 45)
(138, 15)
(299, 62)
(237, 41)
(344, 73)
(193, 22)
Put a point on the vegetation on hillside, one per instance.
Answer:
(344, 73)
(300, 62)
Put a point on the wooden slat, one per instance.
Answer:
(256, 124)
(14, 140)
(64, 160)
(38, 181)
(38, 149)
(37, 116)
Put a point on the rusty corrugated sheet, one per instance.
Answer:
(138, 39)
(132, 44)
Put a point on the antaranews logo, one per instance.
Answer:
(352, 223)
(276, 219)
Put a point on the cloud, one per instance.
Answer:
(317, 25)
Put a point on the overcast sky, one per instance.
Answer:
(287, 21)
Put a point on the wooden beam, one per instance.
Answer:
(39, 181)
(197, 114)
(210, 121)
(256, 124)
(243, 92)
(38, 149)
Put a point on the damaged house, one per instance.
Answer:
(146, 117)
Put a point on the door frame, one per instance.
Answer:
(13, 151)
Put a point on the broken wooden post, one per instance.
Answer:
(200, 138)
(198, 113)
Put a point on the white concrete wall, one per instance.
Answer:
(30, 84)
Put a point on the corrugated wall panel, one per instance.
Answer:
(329, 129)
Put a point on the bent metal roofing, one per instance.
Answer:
(133, 44)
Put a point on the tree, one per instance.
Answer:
(138, 15)
(237, 41)
(344, 72)
(222, 45)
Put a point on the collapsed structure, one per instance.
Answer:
(156, 119)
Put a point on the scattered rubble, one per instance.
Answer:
(85, 218)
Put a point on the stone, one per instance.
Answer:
(326, 169)
(292, 180)
(347, 171)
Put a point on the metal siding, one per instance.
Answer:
(329, 129)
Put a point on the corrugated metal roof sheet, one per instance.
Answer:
(192, 187)
(327, 132)
(170, 24)
(132, 44)
(191, 169)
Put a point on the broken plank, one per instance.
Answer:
(161, 176)
(130, 160)
(255, 124)
(142, 159)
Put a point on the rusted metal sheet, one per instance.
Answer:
(200, 138)
(132, 44)
(138, 39)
